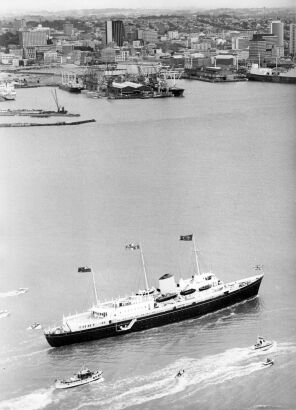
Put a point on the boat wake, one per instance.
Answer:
(199, 374)
(17, 292)
(38, 399)
(4, 313)
(161, 385)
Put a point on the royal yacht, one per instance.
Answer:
(171, 302)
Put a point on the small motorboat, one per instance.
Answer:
(269, 362)
(263, 344)
(180, 373)
(22, 290)
(35, 326)
(84, 376)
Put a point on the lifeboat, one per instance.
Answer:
(164, 298)
(187, 292)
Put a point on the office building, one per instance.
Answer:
(118, 32)
(292, 43)
(114, 32)
(149, 36)
(109, 37)
(263, 47)
(277, 29)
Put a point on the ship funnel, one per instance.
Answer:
(167, 284)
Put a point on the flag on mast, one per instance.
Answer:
(132, 246)
(186, 237)
(84, 269)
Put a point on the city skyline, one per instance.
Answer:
(56, 5)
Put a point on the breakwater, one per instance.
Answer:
(40, 124)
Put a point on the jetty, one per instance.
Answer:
(42, 124)
(38, 112)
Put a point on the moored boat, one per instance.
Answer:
(84, 376)
(143, 311)
(7, 91)
(270, 75)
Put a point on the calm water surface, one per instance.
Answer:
(220, 163)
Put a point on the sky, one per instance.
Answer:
(52, 5)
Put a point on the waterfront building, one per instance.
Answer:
(196, 60)
(34, 37)
(30, 53)
(240, 43)
(263, 46)
(16, 52)
(50, 57)
(292, 43)
(277, 29)
(224, 60)
(6, 58)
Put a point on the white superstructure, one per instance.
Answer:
(7, 91)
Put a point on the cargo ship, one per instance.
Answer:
(271, 75)
(193, 297)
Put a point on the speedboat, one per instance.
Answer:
(22, 290)
(269, 362)
(263, 344)
(84, 376)
(180, 373)
(35, 326)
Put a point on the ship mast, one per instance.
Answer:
(94, 283)
(196, 257)
(144, 268)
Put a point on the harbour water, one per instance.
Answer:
(219, 163)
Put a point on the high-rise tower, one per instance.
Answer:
(115, 32)
(277, 29)
(292, 44)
